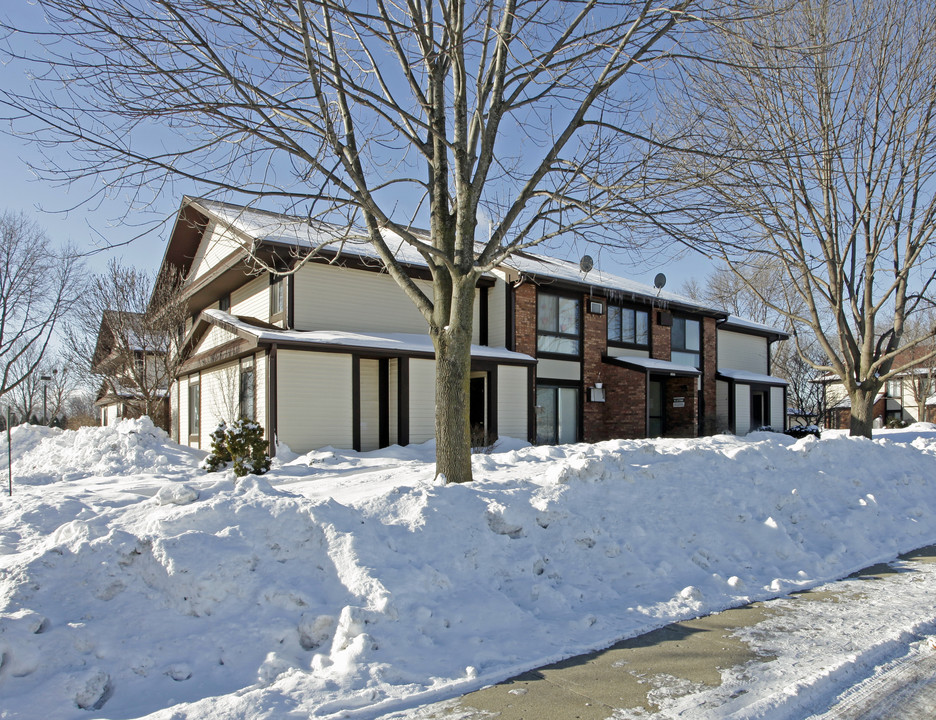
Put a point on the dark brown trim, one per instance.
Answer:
(290, 301)
(732, 407)
(273, 383)
(356, 402)
(510, 302)
(383, 400)
(483, 316)
(646, 432)
(531, 404)
(492, 404)
(231, 350)
(403, 400)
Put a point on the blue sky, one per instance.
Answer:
(93, 226)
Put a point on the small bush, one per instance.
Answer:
(801, 431)
(897, 424)
(240, 443)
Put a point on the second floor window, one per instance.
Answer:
(277, 298)
(628, 327)
(686, 342)
(558, 324)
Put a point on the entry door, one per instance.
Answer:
(477, 413)
(655, 409)
(758, 409)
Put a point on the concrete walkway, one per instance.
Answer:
(681, 658)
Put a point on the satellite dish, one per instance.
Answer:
(659, 281)
(586, 263)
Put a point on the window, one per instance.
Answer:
(247, 402)
(194, 409)
(558, 324)
(628, 327)
(276, 295)
(556, 415)
(686, 342)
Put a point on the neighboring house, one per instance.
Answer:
(336, 354)
(908, 397)
(128, 365)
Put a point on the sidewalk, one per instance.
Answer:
(681, 666)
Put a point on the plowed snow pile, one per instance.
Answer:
(342, 584)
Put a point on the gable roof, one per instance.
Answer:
(264, 230)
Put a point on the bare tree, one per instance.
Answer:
(124, 333)
(378, 115)
(814, 145)
(38, 286)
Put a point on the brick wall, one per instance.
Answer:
(707, 408)
(660, 337)
(525, 319)
(680, 421)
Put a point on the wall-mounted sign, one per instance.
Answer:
(679, 402)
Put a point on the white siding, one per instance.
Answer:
(394, 403)
(370, 404)
(559, 369)
(722, 420)
(263, 391)
(742, 409)
(512, 401)
(497, 314)
(252, 299)
(213, 338)
(737, 351)
(334, 298)
(220, 392)
(314, 400)
(627, 352)
(183, 411)
(214, 247)
(777, 411)
(421, 400)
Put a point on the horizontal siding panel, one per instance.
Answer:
(314, 407)
(335, 298)
(497, 314)
(216, 245)
(722, 421)
(742, 409)
(559, 369)
(737, 351)
(252, 299)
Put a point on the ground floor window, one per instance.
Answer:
(655, 409)
(194, 409)
(557, 413)
(247, 400)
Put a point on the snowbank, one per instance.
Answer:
(349, 585)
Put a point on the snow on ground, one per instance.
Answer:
(347, 584)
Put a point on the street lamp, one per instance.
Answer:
(45, 395)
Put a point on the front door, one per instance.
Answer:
(655, 409)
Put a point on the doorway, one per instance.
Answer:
(655, 409)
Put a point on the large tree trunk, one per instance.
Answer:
(453, 375)
(862, 413)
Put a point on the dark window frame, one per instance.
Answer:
(677, 319)
(248, 369)
(624, 343)
(277, 293)
(194, 410)
(578, 337)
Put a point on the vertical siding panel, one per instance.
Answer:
(314, 400)
(512, 401)
(777, 411)
(370, 404)
(422, 400)
(497, 316)
(722, 419)
(394, 403)
(183, 411)
(742, 409)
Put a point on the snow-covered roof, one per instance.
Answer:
(751, 377)
(403, 343)
(654, 366)
(740, 323)
(295, 231)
